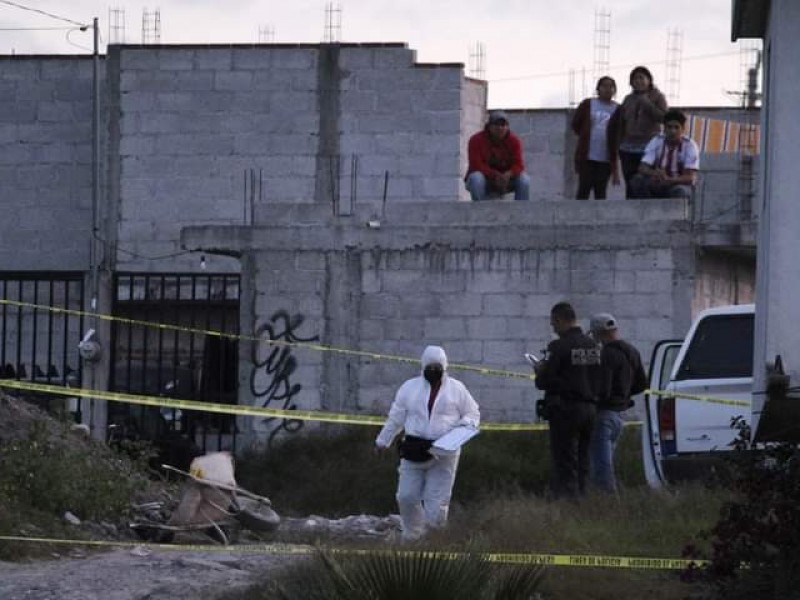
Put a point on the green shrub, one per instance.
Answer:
(756, 541)
(56, 473)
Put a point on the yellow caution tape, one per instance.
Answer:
(346, 351)
(251, 338)
(684, 396)
(339, 350)
(236, 409)
(230, 409)
(565, 560)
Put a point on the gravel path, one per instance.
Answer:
(135, 575)
(150, 573)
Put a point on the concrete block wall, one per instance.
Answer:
(400, 118)
(193, 124)
(719, 197)
(316, 124)
(723, 279)
(478, 279)
(548, 146)
(45, 162)
(473, 119)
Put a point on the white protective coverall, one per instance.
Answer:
(424, 488)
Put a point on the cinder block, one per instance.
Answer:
(419, 306)
(176, 59)
(624, 281)
(283, 80)
(405, 329)
(502, 352)
(358, 101)
(59, 69)
(655, 329)
(193, 81)
(462, 304)
(138, 59)
(291, 144)
(59, 153)
(654, 281)
(355, 59)
(503, 304)
(295, 58)
(438, 187)
(467, 351)
(383, 305)
(393, 58)
(445, 328)
(17, 112)
(253, 58)
(371, 330)
(233, 80)
(487, 328)
(214, 58)
(302, 282)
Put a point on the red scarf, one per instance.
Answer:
(432, 397)
(672, 152)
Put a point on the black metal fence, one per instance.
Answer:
(186, 362)
(38, 344)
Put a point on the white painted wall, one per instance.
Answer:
(778, 283)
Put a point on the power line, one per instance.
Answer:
(42, 12)
(651, 62)
(35, 28)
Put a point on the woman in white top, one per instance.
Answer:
(596, 151)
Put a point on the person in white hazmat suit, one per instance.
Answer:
(426, 407)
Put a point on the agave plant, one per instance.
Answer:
(401, 575)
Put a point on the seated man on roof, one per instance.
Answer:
(670, 163)
(496, 166)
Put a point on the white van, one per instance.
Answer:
(680, 437)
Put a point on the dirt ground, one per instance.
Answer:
(135, 574)
(140, 572)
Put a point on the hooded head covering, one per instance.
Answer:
(434, 354)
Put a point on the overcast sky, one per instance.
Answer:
(530, 46)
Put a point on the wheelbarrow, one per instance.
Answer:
(211, 503)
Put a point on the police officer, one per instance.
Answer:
(571, 378)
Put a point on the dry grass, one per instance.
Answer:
(499, 506)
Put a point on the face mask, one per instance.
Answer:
(433, 374)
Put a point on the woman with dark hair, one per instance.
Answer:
(596, 151)
(637, 121)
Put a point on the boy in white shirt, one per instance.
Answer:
(670, 163)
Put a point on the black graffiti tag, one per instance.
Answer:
(279, 365)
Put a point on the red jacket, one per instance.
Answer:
(493, 158)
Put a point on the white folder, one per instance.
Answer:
(451, 441)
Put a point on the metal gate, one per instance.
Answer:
(183, 361)
(38, 344)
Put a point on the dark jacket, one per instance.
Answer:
(623, 375)
(572, 370)
(639, 117)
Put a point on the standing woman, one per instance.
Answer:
(637, 121)
(596, 152)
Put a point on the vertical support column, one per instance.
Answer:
(326, 188)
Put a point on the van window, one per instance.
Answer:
(722, 347)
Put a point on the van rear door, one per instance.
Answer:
(661, 364)
(717, 362)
